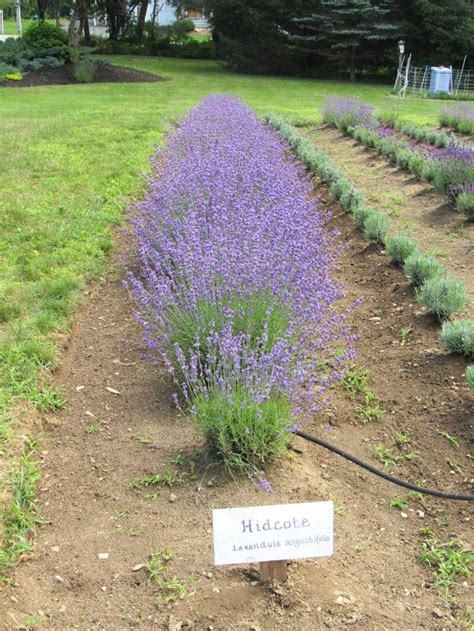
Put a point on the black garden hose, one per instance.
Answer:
(382, 474)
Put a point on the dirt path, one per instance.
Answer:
(413, 206)
(102, 441)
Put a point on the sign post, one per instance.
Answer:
(271, 535)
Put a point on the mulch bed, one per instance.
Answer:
(64, 75)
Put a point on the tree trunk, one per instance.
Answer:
(87, 32)
(141, 19)
(41, 4)
(352, 70)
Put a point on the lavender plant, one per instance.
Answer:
(465, 204)
(443, 295)
(399, 247)
(459, 117)
(376, 226)
(458, 337)
(470, 376)
(430, 155)
(235, 290)
(344, 113)
(421, 267)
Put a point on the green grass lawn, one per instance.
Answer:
(71, 156)
(10, 27)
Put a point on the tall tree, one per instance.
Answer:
(438, 31)
(340, 29)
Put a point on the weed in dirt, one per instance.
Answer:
(169, 588)
(18, 517)
(158, 481)
(143, 439)
(401, 438)
(47, 399)
(126, 512)
(339, 510)
(94, 428)
(454, 467)
(388, 457)
(467, 621)
(178, 460)
(363, 545)
(31, 621)
(135, 532)
(370, 409)
(452, 439)
(404, 333)
(355, 380)
(5, 432)
(399, 503)
(448, 560)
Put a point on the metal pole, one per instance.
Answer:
(460, 74)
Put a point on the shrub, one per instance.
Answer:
(6, 70)
(345, 113)
(234, 289)
(376, 226)
(361, 214)
(400, 247)
(459, 116)
(458, 337)
(84, 71)
(465, 204)
(470, 376)
(419, 268)
(44, 35)
(443, 295)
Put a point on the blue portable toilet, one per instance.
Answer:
(440, 80)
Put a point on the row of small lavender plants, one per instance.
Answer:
(460, 117)
(442, 293)
(235, 290)
(449, 168)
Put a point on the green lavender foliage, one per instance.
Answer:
(470, 377)
(420, 267)
(376, 226)
(458, 337)
(240, 430)
(361, 214)
(444, 296)
(399, 247)
(465, 204)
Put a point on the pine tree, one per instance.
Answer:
(340, 28)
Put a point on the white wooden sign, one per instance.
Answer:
(272, 533)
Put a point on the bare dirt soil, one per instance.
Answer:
(104, 73)
(87, 570)
(414, 207)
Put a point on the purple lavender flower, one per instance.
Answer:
(235, 290)
(344, 113)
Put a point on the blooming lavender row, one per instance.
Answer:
(235, 289)
(450, 168)
(459, 117)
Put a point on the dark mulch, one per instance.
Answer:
(105, 73)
